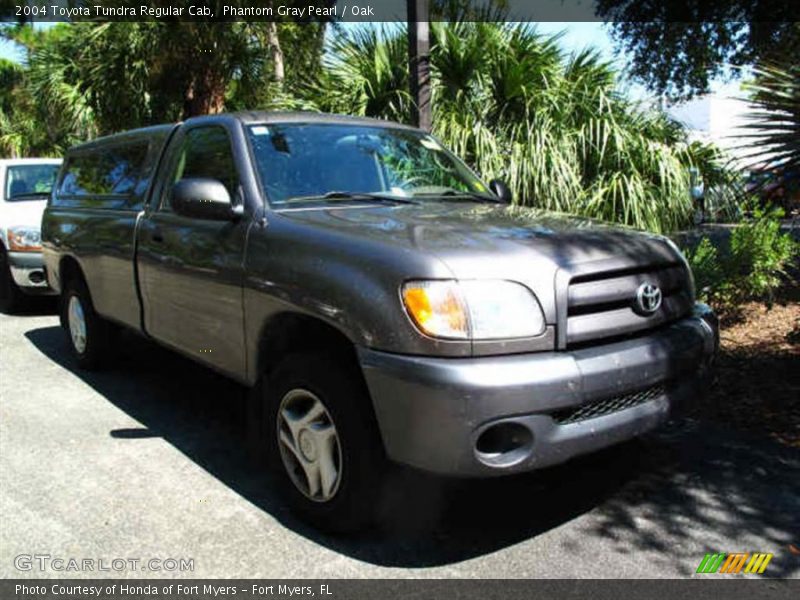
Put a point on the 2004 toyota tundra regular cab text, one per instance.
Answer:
(381, 301)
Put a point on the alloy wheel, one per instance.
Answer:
(77, 324)
(309, 445)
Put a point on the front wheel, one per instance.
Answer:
(323, 441)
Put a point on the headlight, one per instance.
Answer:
(24, 239)
(477, 310)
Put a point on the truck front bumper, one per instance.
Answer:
(506, 414)
(27, 270)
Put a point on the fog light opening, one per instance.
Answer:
(36, 276)
(504, 444)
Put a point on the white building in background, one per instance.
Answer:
(719, 118)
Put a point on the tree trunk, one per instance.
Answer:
(205, 94)
(276, 52)
(419, 72)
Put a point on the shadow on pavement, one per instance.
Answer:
(701, 480)
(37, 306)
(682, 480)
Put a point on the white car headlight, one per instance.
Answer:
(24, 239)
(473, 309)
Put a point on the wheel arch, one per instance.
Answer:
(294, 333)
(68, 269)
(289, 334)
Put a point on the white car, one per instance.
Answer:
(25, 185)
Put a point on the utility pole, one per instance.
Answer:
(419, 68)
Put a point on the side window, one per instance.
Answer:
(204, 152)
(113, 171)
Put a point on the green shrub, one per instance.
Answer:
(704, 260)
(752, 266)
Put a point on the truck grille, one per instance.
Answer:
(607, 407)
(603, 305)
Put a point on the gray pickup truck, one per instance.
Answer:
(383, 303)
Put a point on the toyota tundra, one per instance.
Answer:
(384, 304)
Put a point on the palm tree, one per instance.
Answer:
(43, 113)
(87, 79)
(365, 73)
(554, 126)
(775, 122)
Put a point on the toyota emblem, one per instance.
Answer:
(648, 298)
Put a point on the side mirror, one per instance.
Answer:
(202, 198)
(500, 189)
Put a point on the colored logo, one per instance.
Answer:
(755, 562)
(648, 298)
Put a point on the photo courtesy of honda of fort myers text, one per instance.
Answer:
(399, 298)
(100, 589)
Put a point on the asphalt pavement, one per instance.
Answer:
(146, 460)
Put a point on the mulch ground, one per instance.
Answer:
(757, 385)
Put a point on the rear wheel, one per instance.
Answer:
(11, 297)
(89, 334)
(323, 441)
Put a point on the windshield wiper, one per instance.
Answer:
(340, 195)
(458, 194)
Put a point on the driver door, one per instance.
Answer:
(190, 269)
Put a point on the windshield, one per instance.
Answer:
(27, 182)
(304, 163)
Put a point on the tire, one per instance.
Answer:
(11, 297)
(89, 334)
(304, 441)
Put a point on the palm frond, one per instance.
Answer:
(555, 127)
(774, 126)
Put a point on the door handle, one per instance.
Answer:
(157, 236)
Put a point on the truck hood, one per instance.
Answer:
(472, 238)
(545, 252)
(27, 213)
